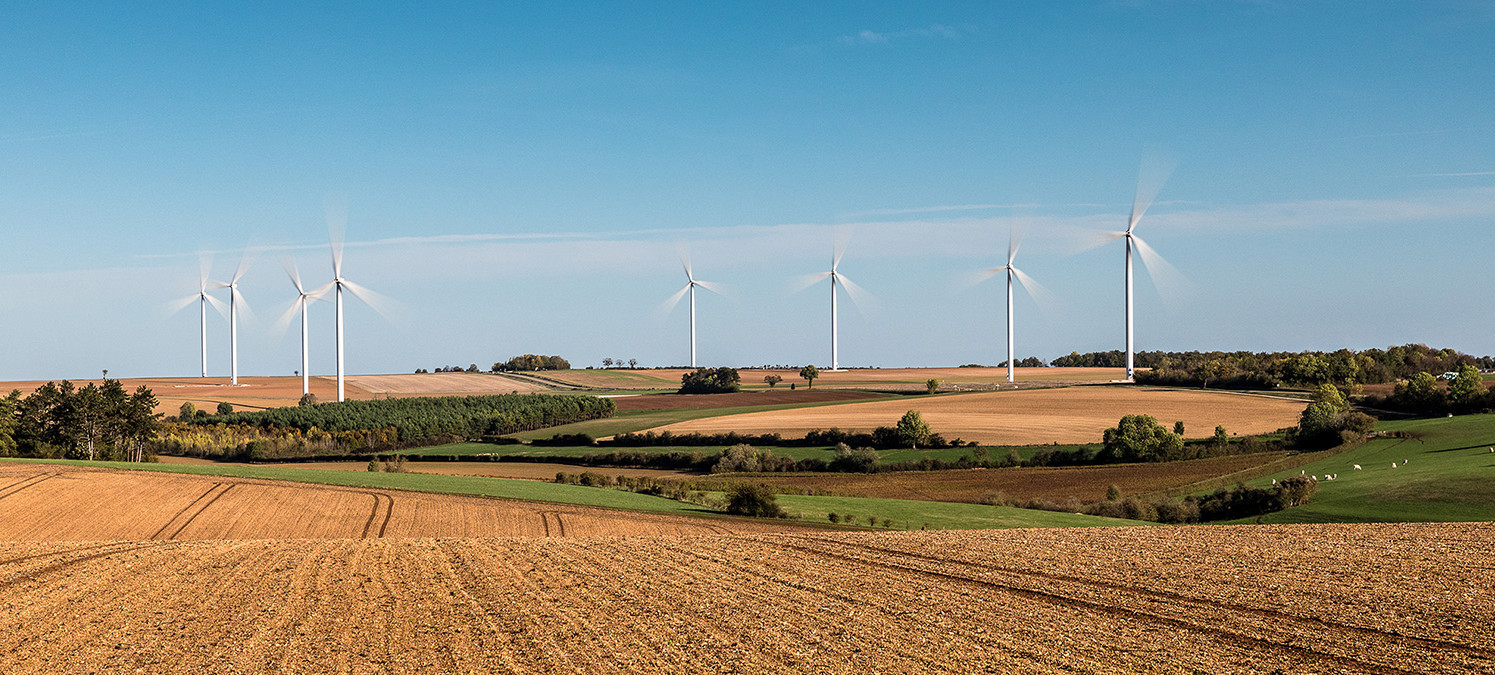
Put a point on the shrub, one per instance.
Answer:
(741, 458)
(710, 381)
(755, 500)
(860, 460)
(1140, 438)
(225, 408)
(307, 399)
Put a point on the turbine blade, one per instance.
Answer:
(859, 296)
(219, 305)
(289, 264)
(1014, 241)
(242, 303)
(669, 304)
(336, 209)
(843, 238)
(244, 262)
(283, 321)
(384, 305)
(1153, 172)
(1094, 240)
(685, 262)
(972, 279)
(321, 291)
(178, 305)
(204, 270)
(713, 287)
(1172, 285)
(1041, 296)
(806, 281)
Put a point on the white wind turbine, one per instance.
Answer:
(336, 222)
(203, 299)
(303, 298)
(691, 282)
(853, 291)
(235, 298)
(1034, 289)
(1150, 179)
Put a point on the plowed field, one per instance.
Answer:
(1024, 417)
(1311, 599)
(60, 503)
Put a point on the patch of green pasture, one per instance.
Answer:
(908, 514)
(1449, 475)
(506, 488)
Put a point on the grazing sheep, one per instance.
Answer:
(1274, 481)
(1394, 465)
(1357, 467)
(1404, 461)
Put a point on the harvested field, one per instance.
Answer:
(1405, 598)
(522, 470)
(1025, 417)
(894, 379)
(741, 398)
(1085, 483)
(64, 503)
(444, 384)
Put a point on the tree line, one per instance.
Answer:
(1264, 370)
(95, 422)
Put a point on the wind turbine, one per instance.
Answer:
(336, 222)
(1034, 289)
(1150, 178)
(203, 299)
(691, 282)
(853, 291)
(235, 298)
(303, 298)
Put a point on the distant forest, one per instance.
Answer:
(99, 422)
(1265, 370)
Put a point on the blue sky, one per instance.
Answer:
(519, 176)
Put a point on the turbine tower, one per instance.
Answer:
(203, 299)
(303, 298)
(1150, 180)
(1034, 289)
(235, 298)
(691, 282)
(837, 278)
(336, 221)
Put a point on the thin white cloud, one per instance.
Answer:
(935, 31)
(1450, 175)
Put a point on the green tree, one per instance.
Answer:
(225, 408)
(772, 380)
(1178, 427)
(187, 411)
(809, 373)
(1140, 438)
(931, 386)
(1221, 439)
(913, 430)
(756, 500)
(1420, 393)
(1467, 390)
(307, 399)
(710, 381)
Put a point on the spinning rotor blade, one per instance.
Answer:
(384, 305)
(336, 210)
(668, 305)
(685, 262)
(284, 320)
(971, 279)
(242, 303)
(1041, 296)
(178, 305)
(1151, 175)
(806, 281)
(712, 286)
(843, 238)
(859, 296)
(1172, 285)
(290, 266)
(217, 304)
(1014, 240)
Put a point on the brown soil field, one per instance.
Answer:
(881, 378)
(741, 398)
(444, 384)
(523, 470)
(64, 503)
(1025, 417)
(1085, 483)
(1363, 598)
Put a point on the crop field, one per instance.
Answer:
(518, 470)
(879, 378)
(42, 502)
(1403, 598)
(1025, 417)
(742, 398)
(1085, 483)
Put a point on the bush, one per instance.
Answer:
(1140, 438)
(710, 381)
(307, 399)
(225, 408)
(755, 500)
(860, 460)
(742, 458)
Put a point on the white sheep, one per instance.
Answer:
(1404, 461)
(1394, 465)
(1274, 481)
(1357, 467)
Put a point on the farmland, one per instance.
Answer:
(1064, 415)
(887, 379)
(1302, 598)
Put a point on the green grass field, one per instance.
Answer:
(1449, 476)
(905, 513)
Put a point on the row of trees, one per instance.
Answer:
(532, 362)
(1268, 369)
(1424, 394)
(428, 419)
(710, 381)
(95, 422)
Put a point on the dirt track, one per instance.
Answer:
(1343, 598)
(1025, 417)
